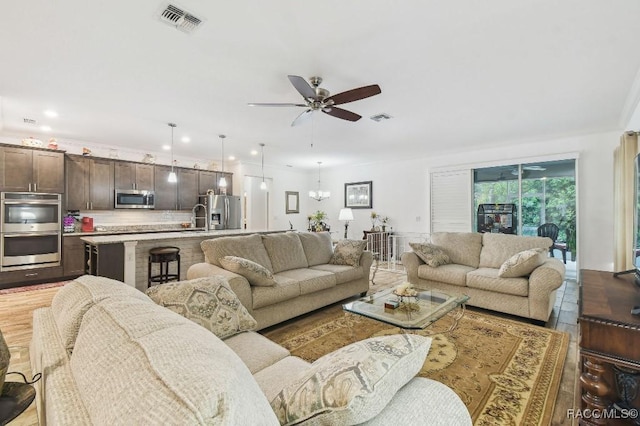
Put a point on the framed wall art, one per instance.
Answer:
(358, 195)
(292, 202)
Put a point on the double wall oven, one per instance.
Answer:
(30, 230)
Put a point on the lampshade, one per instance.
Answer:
(345, 214)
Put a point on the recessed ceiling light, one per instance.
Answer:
(254, 152)
(231, 157)
(45, 128)
(166, 147)
(50, 113)
(186, 139)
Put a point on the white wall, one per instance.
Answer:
(401, 188)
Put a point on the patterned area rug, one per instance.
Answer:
(506, 372)
(32, 287)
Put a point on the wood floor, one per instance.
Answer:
(16, 311)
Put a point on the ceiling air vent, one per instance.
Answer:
(179, 18)
(29, 121)
(380, 117)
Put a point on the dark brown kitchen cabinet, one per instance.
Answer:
(89, 183)
(31, 170)
(209, 180)
(166, 192)
(187, 188)
(72, 256)
(130, 175)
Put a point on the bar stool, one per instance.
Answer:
(163, 255)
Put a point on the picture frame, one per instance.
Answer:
(358, 195)
(292, 202)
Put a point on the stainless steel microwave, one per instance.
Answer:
(134, 199)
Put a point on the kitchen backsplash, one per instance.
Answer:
(131, 217)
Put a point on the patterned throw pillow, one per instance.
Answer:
(254, 273)
(208, 301)
(348, 252)
(431, 254)
(353, 384)
(523, 263)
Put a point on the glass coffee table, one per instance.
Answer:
(416, 312)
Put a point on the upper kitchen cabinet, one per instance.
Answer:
(89, 183)
(187, 188)
(166, 192)
(209, 180)
(134, 176)
(31, 170)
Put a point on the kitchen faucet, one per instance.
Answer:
(193, 216)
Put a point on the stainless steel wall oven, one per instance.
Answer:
(30, 230)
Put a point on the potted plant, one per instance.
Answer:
(374, 221)
(317, 221)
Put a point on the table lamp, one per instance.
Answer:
(346, 215)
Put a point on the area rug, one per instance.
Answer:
(506, 372)
(31, 287)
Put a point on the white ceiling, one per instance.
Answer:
(454, 74)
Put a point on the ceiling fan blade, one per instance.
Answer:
(302, 117)
(302, 86)
(341, 113)
(275, 105)
(354, 94)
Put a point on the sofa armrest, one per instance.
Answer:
(543, 281)
(366, 260)
(411, 261)
(238, 283)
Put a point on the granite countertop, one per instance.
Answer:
(167, 235)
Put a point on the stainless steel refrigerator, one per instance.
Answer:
(223, 211)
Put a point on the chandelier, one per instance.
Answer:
(319, 194)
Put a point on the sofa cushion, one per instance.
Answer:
(310, 280)
(430, 254)
(138, 363)
(256, 351)
(285, 251)
(209, 302)
(348, 252)
(488, 279)
(246, 246)
(254, 273)
(450, 274)
(74, 299)
(463, 248)
(497, 248)
(273, 378)
(317, 247)
(343, 273)
(285, 289)
(523, 263)
(353, 384)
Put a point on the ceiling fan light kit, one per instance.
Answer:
(317, 98)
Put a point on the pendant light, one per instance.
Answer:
(319, 194)
(223, 181)
(172, 176)
(263, 185)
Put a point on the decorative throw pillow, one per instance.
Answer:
(353, 384)
(254, 273)
(523, 263)
(208, 301)
(431, 254)
(348, 252)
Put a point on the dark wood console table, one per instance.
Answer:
(609, 348)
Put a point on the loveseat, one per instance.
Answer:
(281, 276)
(477, 265)
(109, 355)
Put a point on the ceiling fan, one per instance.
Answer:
(317, 99)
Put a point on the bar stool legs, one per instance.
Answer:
(163, 256)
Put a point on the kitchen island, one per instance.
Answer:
(125, 256)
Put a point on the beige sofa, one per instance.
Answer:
(476, 259)
(304, 278)
(109, 355)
